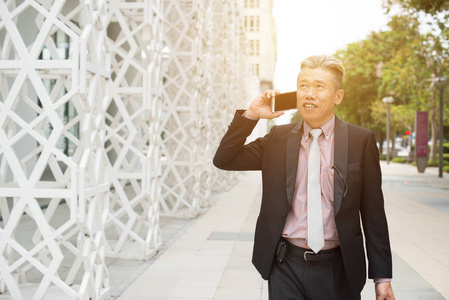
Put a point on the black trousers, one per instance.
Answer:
(298, 279)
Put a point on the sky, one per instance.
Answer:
(309, 27)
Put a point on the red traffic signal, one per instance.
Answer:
(408, 132)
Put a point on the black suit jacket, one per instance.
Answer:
(357, 192)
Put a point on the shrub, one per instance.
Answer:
(435, 163)
(431, 163)
(401, 160)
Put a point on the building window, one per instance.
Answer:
(251, 3)
(252, 23)
(254, 47)
(255, 69)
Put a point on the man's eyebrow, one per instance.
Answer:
(315, 80)
(320, 81)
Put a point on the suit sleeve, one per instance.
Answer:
(373, 215)
(232, 153)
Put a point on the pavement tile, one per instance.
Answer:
(158, 284)
(443, 258)
(239, 262)
(145, 294)
(209, 262)
(200, 279)
(216, 248)
(192, 293)
(181, 298)
(439, 282)
(175, 259)
(196, 266)
(419, 232)
(238, 293)
(241, 279)
(431, 267)
(141, 297)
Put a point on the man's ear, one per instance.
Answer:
(339, 97)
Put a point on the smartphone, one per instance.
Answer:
(283, 101)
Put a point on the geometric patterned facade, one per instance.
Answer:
(133, 128)
(61, 69)
(110, 112)
(184, 106)
(202, 84)
(226, 89)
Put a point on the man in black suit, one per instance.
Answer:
(349, 187)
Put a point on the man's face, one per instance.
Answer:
(317, 96)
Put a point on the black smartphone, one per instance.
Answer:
(284, 101)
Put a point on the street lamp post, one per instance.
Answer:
(441, 81)
(388, 101)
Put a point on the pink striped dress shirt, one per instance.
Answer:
(295, 229)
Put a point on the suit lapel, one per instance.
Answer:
(340, 162)
(292, 156)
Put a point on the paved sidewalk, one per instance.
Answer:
(211, 259)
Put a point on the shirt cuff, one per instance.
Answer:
(245, 116)
(379, 280)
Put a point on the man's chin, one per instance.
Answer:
(309, 118)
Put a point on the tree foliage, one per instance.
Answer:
(384, 64)
(361, 81)
(431, 7)
(401, 62)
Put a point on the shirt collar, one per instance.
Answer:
(327, 128)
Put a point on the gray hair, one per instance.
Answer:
(327, 62)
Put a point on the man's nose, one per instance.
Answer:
(310, 93)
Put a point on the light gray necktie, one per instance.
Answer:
(315, 236)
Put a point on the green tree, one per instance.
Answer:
(403, 74)
(404, 70)
(368, 76)
(401, 119)
(431, 7)
(433, 50)
(400, 62)
(362, 61)
(409, 75)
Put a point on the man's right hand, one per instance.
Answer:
(260, 108)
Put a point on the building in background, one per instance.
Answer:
(260, 31)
